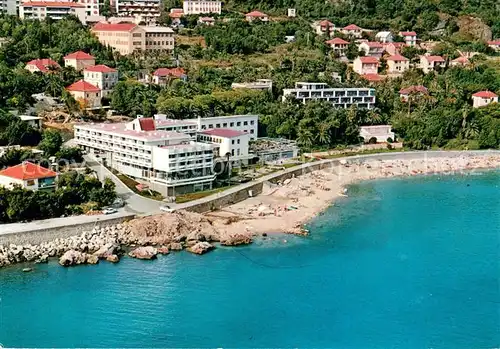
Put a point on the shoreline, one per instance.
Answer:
(284, 207)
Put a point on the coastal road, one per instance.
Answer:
(134, 203)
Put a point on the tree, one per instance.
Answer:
(51, 142)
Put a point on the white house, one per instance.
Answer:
(352, 30)
(79, 60)
(430, 63)
(483, 98)
(88, 95)
(33, 121)
(384, 37)
(29, 176)
(397, 64)
(380, 132)
(366, 65)
(102, 77)
(409, 37)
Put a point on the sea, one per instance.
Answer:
(400, 263)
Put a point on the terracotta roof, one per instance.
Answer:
(177, 72)
(352, 27)
(484, 94)
(397, 58)
(147, 124)
(51, 4)
(368, 59)
(494, 42)
(337, 41)
(79, 55)
(413, 89)
(100, 68)
(176, 14)
(255, 14)
(223, 132)
(27, 170)
(374, 44)
(396, 44)
(119, 27)
(408, 33)
(44, 64)
(207, 19)
(434, 58)
(372, 77)
(83, 86)
(326, 23)
(461, 59)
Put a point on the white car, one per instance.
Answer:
(109, 210)
(165, 208)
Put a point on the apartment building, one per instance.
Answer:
(88, 95)
(372, 48)
(483, 98)
(139, 150)
(101, 76)
(397, 64)
(366, 65)
(145, 11)
(54, 9)
(43, 65)
(339, 97)
(338, 46)
(245, 123)
(197, 7)
(410, 38)
(10, 7)
(430, 63)
(228, 143)
(79, 60)
(129, 37)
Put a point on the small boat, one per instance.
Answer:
(27, 270)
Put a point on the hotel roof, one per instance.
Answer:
(223, 132)
(120, 129)
(51, 4)
(27, 170)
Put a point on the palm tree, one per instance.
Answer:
(324, 132)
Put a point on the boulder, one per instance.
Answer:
(91, 259)
(146, 252)
(235, 240)
(42, 259)
(113, 258)
(175, 246)
(163, 250)
(72, 257)
(201, 247)
(104, 251)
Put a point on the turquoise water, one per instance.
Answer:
(400, 264)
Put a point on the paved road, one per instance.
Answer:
(134, 203)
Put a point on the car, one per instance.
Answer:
(109, 210)
(166, 208)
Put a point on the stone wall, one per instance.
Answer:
(38, 236)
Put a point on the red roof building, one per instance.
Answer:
(351, 27)
(397, 58)
(256, 15)
(176, 13)
(176, 72)
(485, 94)
(119, 27)
(83, 86)
(147, 124)
(483, 98)
(29, 176)
(337, 41)
(372, 77)
(413, 89)
(100, 68)
(79, 55)
(42, 65)
(368, 60)
(408, 33)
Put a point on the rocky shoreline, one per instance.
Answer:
(144, 237)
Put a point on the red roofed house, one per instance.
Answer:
(460, 61)
(483, 98)
(410, 38)
(175, 15)
(228, 141)
(366, 65)
(372, 48)
(52, 9)
(325, 27)
(405, 93)
(352, 30)
(28, 176)
(162, 76)
(429, 63)
(397, 64)
(88, 95)
(494, 44)
(394, 48)
(41, 65)
(252, 16)
(101, 76)
(372, 77)
(206, 20)
(79, 60)
(339, 46)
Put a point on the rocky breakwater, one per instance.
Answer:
(147, 236)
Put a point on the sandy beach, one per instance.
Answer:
(286, 206)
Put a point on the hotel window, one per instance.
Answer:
(245, 123)
(231, 124)
(238, 123)
(238, 141)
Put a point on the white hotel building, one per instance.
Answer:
(339, 97)
(197, 7)
(167, 152)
